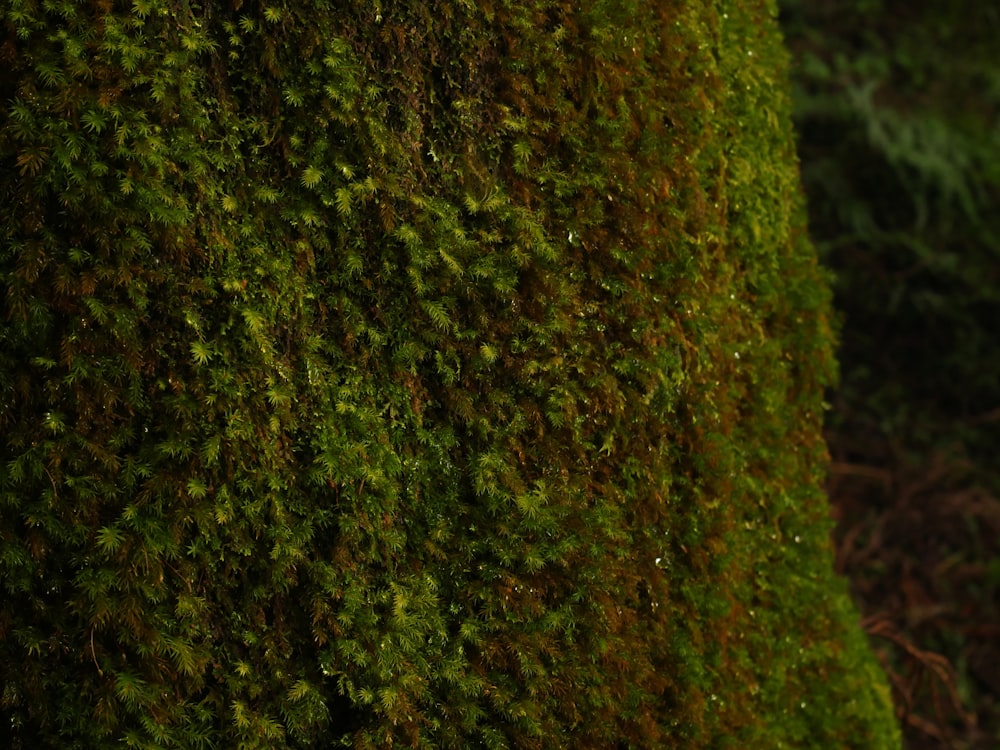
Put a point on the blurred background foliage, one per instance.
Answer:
(898, 114)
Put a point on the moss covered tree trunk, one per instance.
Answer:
(433, 374)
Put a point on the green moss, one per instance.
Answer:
(446, 376)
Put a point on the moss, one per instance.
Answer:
(447, 376)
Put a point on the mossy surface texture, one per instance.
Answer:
(439, 375)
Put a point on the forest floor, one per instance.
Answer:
(918, 536)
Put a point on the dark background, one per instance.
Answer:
(898, 112)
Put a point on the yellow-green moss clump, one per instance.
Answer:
(431, 374)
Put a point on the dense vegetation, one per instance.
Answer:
(897, 107)
(440, 375)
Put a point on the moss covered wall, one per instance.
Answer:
(426, 374)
